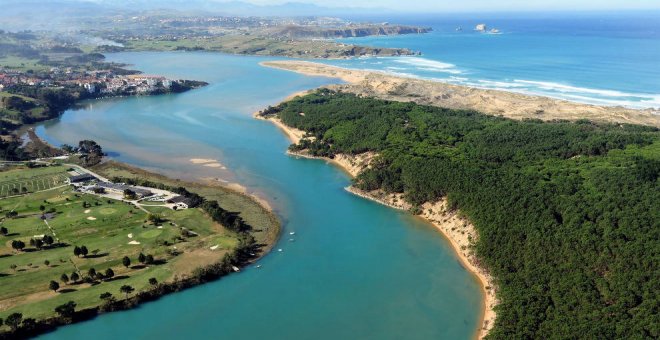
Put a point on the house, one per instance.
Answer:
(118, 188)
(181, 202)
(82, 178)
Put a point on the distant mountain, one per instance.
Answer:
(238, 8)
(62, 14)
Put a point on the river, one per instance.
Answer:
(355, 269)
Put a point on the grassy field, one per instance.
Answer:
(107, 228)
(16, 180)
(22, 64)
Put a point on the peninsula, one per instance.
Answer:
(486, 181)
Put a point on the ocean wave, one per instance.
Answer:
(429, 65)
(418, 68)
(573, 89)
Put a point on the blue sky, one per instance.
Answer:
(481, 5)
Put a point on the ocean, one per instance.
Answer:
(598, 58)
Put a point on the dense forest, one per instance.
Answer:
(568, 213)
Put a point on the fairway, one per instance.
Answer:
(103, 227)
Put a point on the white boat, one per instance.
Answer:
(292, 233)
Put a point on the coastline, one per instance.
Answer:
(456, 229)
(493, 102)
(213, 271)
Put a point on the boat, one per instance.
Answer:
(494, 31)
(292, 233)
(459, 29)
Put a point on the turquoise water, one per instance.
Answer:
(600, 58)
(356, 269)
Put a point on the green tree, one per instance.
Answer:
(76, 251)
(153, 281)
(109, 273)
(54, 286)
(75, 277)
(126, 261)
(107, 297)
(4, 231)
(149, 259)
(84, 251)
(91, 273)
(64, 278)
(48, 240)
(18, 245)
(142, 258)
(126, 289)
(14, 320)
(66, 310)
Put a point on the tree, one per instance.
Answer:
(84, 251)
(14, 320)
(142, 258)
(130, 194)
(109, 273)
(153, 281)
(66, 310)
(91, 273)
(46, 263)
(48, 240)
(126, 261)
(54, 286)
(149, 259)
(75, 277)
(76, 251)
(64, 278)
(42, 208)
(18, 245)
(12, 214)
(28, 323)
(126, 289)
(1, 322)
(38, 243)
(107, 297)
(4, 231)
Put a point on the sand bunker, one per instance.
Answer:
(130, 235)
(215, 247)
(134, 242)
(91, 218)
(87, 211)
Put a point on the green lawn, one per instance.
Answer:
(102, 226)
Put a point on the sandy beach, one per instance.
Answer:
(458, 231)
(493, 102)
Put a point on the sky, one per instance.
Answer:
(481, 5)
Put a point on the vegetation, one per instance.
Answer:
(568, 213)
(91, 254)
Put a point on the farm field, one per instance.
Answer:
(16, 180)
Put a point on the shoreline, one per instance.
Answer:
(499, 103)
(446, 222)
